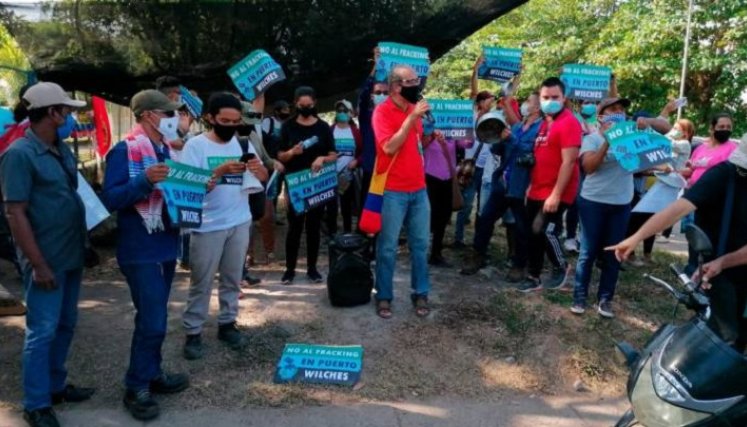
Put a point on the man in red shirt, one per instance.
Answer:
(554, 185)
(398, 129)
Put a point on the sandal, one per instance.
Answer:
(384, 309)
(421, 305)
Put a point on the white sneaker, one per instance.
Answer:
(570, 245)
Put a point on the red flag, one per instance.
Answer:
(101, 124)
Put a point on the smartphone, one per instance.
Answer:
(680, 102)
(246, 157)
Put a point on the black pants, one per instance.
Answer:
(637, 219)
(543, 236)
(439, 195)
(344, 202)
(313, 221)
(728, 302)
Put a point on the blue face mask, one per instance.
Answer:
(64, 131)
(378, 99)
(342, 117)
(551, 107)
(612, 118)
(588, 110)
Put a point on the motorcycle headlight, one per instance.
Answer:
(650, 408)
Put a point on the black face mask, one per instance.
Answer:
(411, 94)
(224, 132)
(306, 112)
(283, 116)
(722, 135)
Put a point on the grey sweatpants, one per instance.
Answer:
(224, 252)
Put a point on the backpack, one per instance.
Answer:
(350, 280)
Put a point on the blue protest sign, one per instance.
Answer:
(393, 54)
(308, 189)
(586, 82)
(254, 74)
(193, 103)
(638, 149)
(183, 190)
(454, 118)
(320, 364)
(501, 64)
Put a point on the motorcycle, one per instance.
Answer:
(686, 375)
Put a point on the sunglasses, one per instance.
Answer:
(381, 92)
(410, 82)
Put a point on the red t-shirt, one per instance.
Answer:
(408, 171)
(564, 132)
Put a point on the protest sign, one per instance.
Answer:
(183, 190)
(586, 82)
(95, 210)
(320, 364)
(309, 189)
(638, 149)
(454, 118)
(193, 103)
(501, 64)
(393, 54)
(254, 74)
(345, 148)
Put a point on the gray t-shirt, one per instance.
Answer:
(610, 183)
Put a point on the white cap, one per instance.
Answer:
(348, 105)
(46, 94)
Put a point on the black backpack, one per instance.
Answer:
(350, 280)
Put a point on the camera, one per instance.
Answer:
(526, 160)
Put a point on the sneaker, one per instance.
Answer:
(558, 278)
(193, 347)
(473, 263)
(288, 277)
(578, 308)
(515, 275)
(44, 417)
(72, 394)
(570, 245)
(141, 405)
(314, 276)
(184, 266)
(250, 281)
(605, 309)
(230, 334)
(169, 383)
(530, 284)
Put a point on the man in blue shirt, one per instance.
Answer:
(47, 218)
(147, 244)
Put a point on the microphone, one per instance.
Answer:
(427, 114)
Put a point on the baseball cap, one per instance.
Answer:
(150, 100)
(347, 104)
(608, 102)
(46, 94)
(249, 116)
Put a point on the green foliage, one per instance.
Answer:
(12, 64)
(641, 40)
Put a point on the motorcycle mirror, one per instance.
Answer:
(489, 127)
(698, 240)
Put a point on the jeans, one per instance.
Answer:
(414, 211)
(150, 285)
(495, 207)
(50, 322)
(602, 225)
(543, 236)
(468, 194)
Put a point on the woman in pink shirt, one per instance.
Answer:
(438, 172)
(714, 150)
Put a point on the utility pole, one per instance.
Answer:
(685, 54)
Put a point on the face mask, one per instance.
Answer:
(283, 116)
(612, 118)
(306, 112)
(167, 127)
(342, 118)
(722, 135)
(411, 94)
(224, 132)
(378, 99)
(525, 110)
(64, 131)
(551, 107)
(675, 134)
(588, 110)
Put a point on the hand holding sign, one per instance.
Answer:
(157, 173)
(254, 74)
(499, 64)
(637, 150)
(231, 167)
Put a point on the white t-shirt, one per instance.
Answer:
(345, 146)
(226, 206)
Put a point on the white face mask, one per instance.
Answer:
(167, 127)
(524, 109)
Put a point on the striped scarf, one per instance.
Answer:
(141, 156)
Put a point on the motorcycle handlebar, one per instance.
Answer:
(684, 278)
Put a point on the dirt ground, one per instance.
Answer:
(482, 341)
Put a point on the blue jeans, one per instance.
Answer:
(414, 211)
(468, 194)
(150, 285)
(602, 225)
(495, 207)
(50, 322)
